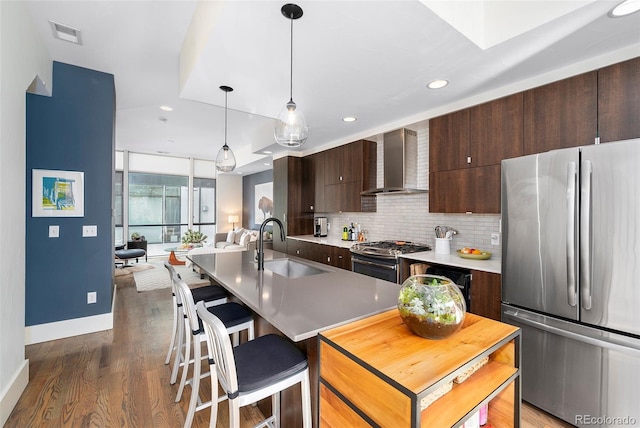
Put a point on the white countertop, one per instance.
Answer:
(492, 265)
(299, 307)
(324, 240)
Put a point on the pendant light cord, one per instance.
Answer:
(291, 62)
(225, 117)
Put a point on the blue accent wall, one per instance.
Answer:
(249, 199)
(73, 131)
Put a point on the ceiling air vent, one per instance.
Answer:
(66, 33)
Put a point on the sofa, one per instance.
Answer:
(234, 240)
(239, 239)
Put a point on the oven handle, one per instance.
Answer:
(364, 262)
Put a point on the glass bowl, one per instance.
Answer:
(431, 306)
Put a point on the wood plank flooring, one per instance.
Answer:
(118, 378)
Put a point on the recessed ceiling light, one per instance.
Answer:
(349, 119)
(625, 8)
(267, 164)
(437, 84)
(166, 108)
(267, 152)
(66, 33)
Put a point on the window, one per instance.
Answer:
(118, 191)
(204, 206)
(158, 206)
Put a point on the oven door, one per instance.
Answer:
(376, 267)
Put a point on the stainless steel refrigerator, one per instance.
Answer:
(571, 279)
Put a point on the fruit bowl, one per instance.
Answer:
(484, 255)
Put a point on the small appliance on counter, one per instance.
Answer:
(320, 228)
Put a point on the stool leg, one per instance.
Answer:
(174, 328)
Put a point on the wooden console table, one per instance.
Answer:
(376, 372)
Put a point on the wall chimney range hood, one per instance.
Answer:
(400, 164)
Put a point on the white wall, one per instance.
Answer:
(20, 63)
(228, 200)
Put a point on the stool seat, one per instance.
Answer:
(130, 254)
(208, 293)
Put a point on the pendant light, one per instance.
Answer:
(225, 161)
(291, 127)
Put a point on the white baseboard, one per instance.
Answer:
(11, 394)
(68, 328)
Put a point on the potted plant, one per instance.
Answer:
(193, 238)
(431, 306)
(135, 236)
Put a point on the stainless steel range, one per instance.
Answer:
(380, 259)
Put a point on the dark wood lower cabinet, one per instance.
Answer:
(327, 254)
(486, 294)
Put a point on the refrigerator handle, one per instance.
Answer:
(630, 350)
(571, 231)
(585, 234)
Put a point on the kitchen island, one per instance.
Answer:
(298, 308)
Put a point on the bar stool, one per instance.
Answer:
(234, 318)
(211, 294)
(253, 370)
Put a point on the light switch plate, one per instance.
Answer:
(92, 297)
(495, 239)
(54, 231)
(89, 231)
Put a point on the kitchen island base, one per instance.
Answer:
(377, 372)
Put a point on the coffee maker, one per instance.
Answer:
(320, 226)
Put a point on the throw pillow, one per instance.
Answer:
(244, 239)
(222, 244)
(239, 233)
(231, 236)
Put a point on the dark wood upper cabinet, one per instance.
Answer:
(619, 101)
(449, 141)
(288, 201)
(561, 114)
(496, 131)
(468, 190)
(348, 170)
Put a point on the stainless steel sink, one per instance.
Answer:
(291, 269)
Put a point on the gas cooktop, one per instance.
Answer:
(388, 248)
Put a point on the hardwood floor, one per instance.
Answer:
(118, 377)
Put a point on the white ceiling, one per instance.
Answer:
(368, 59)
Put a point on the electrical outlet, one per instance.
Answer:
(495, 239)
(54, 231)
(92, 297)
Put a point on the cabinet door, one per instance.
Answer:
(317, 161)
(619, 101)
(333, 165)
(561, 114)
(449, 141)
(495, 130)
(341, 258)
(471, 190)
(486, 294)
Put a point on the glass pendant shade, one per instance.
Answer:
(226, 160)
(291, 127)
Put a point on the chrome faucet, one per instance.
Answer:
(260, 254)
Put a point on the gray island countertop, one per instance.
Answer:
(299, 307)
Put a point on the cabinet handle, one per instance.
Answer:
(468, 159)
(340, 178)
(297, 252)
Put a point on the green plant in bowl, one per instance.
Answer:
(431, 306)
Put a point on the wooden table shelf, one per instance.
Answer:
(376, 372)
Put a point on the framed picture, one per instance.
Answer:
(263, 201)
(57, 193)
